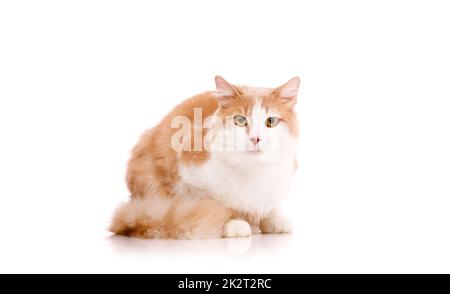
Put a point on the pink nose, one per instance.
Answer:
(255, 140)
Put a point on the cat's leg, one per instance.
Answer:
(237, 228)
(172, 218)
(275, 224)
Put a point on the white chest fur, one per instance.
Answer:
(244, 184)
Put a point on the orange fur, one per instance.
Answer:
(152, 168)
(176, 219)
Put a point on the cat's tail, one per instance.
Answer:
(171, 218)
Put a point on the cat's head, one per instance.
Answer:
(255, 120)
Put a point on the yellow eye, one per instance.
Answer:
(240, 120)
(272, 121)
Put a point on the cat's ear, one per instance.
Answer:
(225, 91)
(289, 91)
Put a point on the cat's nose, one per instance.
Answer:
(255, 140)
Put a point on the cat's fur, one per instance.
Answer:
(213, 193)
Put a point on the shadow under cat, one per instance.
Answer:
(256, 245)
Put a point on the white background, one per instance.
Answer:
(81, 80)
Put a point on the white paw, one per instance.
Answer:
(276, 225)
(237, 228)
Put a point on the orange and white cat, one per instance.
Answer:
(218, 165)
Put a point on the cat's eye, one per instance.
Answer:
(240, 120)
(272, 121)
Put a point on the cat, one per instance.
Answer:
(223, 173)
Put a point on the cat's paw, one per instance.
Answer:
(237, 228)
(276, 225)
